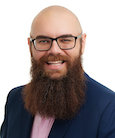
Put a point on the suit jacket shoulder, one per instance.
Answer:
(15, 96)
(16, 117)
(97, 91)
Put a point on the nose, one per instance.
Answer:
(55, 49)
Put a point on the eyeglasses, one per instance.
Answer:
(42, 43)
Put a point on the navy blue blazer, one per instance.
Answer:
(96, 118)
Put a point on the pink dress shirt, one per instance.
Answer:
(41, 127)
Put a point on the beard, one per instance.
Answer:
(60, 98)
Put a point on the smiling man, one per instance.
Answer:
(61, 100)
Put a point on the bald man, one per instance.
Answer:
(61, 100)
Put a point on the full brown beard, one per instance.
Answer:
(60, 98)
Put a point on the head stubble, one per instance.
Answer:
(60, 98)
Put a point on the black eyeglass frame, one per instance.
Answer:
(76, 37)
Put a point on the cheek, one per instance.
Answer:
(73, 53)
(37, 55)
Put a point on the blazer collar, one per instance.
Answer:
(59, 128)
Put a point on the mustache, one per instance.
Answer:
(52, 57)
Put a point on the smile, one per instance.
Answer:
(55, 63)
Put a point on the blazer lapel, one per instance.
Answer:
(25, 124)
(59, 128)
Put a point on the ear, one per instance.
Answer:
(29, 44)
(83, 43)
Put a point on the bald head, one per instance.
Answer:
(55, 16)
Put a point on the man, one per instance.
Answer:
(61, 101)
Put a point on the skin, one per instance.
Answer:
(53, 22)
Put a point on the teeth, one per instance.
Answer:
(55, 63)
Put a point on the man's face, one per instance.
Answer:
(57, 85)
(55, 26)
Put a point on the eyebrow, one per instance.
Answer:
(43, 36)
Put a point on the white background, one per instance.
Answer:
(97, 18)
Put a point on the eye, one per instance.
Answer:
(42, 41)
(66, 40)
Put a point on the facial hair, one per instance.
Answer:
(60, 98)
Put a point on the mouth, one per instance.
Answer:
(55, 63)
(55, 68)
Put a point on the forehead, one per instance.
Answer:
(54, 24)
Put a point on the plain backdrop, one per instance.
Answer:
(97, 18)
